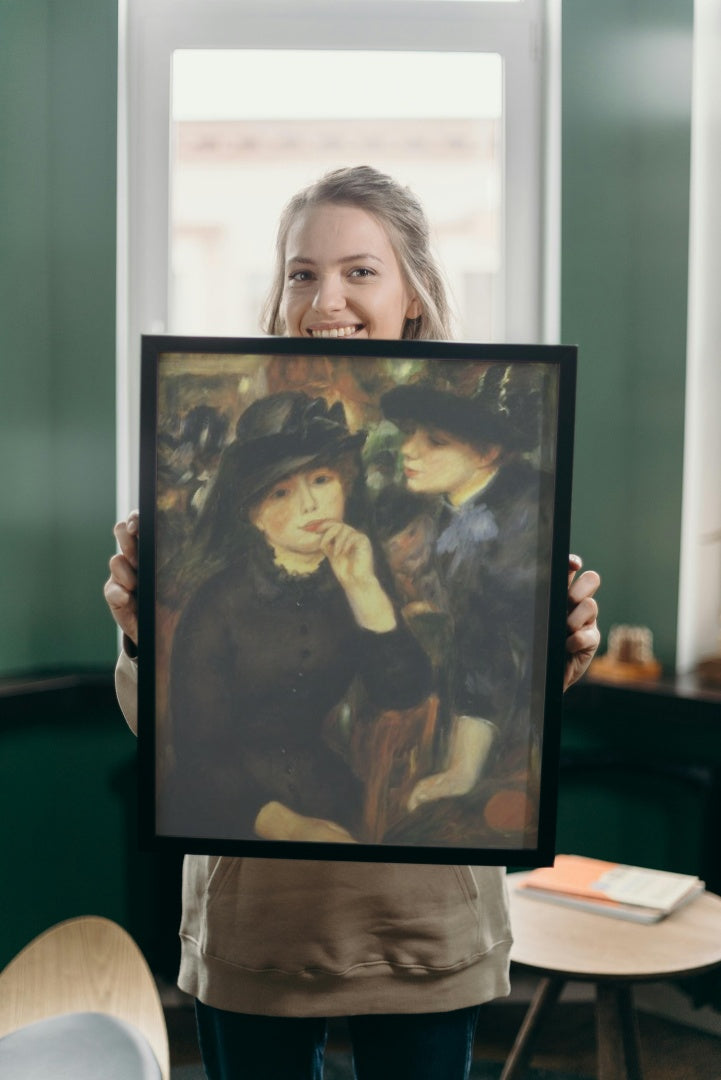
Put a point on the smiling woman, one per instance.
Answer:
(272, 651)
(353, 259)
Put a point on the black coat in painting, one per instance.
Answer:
(492, 558)
(260, 657)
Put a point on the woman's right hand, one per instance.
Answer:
(121, 587)
(350, 555)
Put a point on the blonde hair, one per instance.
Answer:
(403, 217)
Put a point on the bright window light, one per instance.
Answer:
(220, 84)
(239, 153)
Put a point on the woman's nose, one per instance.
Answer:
(409, 447)
(306, 495)
(329, 295)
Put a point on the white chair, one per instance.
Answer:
(79, 1002)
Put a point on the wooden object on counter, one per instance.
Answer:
(629, 657)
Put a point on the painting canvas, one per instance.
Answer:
(352, 595)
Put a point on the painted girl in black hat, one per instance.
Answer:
(271, 643)
(490, 531)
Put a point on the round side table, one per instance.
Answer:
(563, 944)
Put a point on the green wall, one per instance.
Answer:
(626, 145)
(58, 73)
(67, 770)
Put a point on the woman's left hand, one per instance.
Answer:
(582, 633)
(471, 741)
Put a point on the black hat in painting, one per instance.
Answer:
(279, 435)
(496, 412)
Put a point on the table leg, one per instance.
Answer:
(617, 1033)
(545, 997)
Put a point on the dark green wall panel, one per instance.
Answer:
(25, 397)
(58, 77)
(68, 845)
(82, 204)
(641, 777)
(68, 800)
(626, 145)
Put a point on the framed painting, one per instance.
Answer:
(352, 597)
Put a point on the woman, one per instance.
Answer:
(492, 536)
(270, 949)
(269, 645)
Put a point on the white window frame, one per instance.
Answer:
(699, 597)
(526, 34)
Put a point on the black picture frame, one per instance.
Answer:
(218, 644)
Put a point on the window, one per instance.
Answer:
(227, 107)
(236, 159)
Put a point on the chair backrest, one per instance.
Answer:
(87, 964)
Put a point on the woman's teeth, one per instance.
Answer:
(337, 331)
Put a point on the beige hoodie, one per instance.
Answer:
(285, 937)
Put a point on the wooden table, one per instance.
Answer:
(563, 944)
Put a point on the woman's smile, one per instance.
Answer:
(335, 331)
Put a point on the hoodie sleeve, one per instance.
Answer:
(126, 688)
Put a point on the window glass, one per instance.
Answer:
(251, 127)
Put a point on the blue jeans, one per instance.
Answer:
(415, 1046)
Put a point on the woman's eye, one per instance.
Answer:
(362, 272)
(322, 478)
(300, 276)
(279, 493)
(437, 440)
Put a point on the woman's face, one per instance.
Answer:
(436, 463)
(293, 513)
(342, 277)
